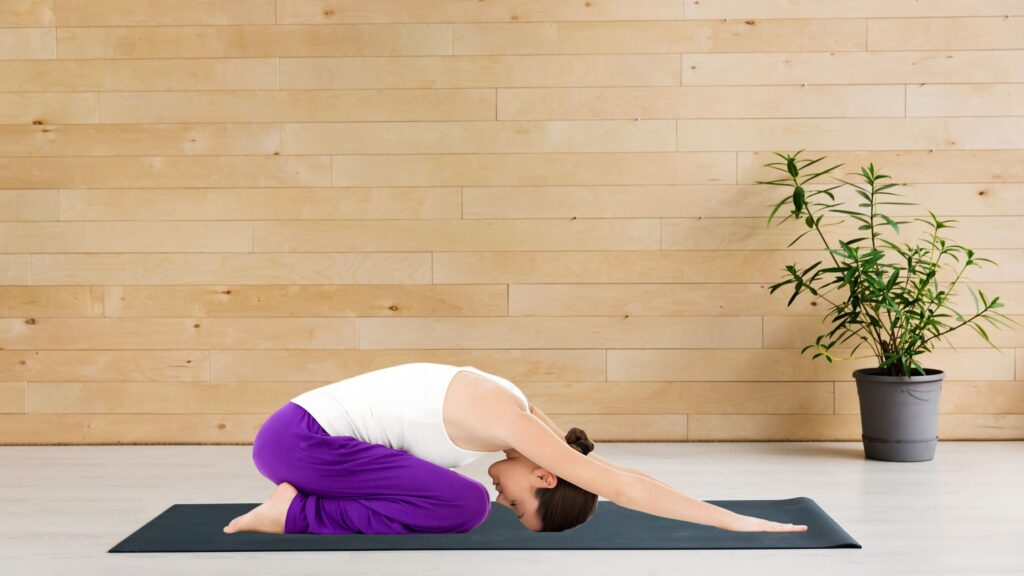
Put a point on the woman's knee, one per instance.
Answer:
(271, 455)
(472, 506)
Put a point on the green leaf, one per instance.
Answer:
(977, 307)
(892, 280)
(809, 268)
(880, 189)
(775, 209)
(793, 297)
(853, 185)
(797, 239)
(798, 199)
(850, 212)
(891, 222)
(780, 182)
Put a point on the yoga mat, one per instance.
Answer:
(198, 528)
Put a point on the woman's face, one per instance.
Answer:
(515, 478)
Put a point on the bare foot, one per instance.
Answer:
(267, 517)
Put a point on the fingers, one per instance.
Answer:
(781, 527)
(755, 524)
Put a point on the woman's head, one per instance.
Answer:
(542, 501)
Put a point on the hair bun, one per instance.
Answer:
(578, 439)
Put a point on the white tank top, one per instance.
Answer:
(399, 407)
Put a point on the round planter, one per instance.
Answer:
(899, 415)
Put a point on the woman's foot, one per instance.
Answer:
(267, 517)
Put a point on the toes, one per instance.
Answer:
(236, 525)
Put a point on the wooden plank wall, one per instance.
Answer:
(207, 207)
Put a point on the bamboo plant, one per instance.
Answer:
(895, 307)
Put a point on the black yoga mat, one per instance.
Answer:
(198, 528)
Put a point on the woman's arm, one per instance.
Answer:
(652, 497)
(649, 495)
(626, 469)
(593, 453)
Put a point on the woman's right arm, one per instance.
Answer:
(626, 469)
(651, 497)
(593, 453)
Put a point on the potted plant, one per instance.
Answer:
(895, 306)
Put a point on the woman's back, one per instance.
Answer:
(397, 406)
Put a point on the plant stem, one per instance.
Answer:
(943, 299)
(836, 262)
(871, 230)
(935, 236)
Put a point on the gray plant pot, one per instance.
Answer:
(899, 415)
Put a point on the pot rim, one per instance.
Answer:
(930, 375)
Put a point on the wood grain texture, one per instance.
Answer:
(19, 13)
(210, 206)
(319, 12)
(703, 9)
(166, 12)
(50, 108)
(903, 67)
(256, 41)
(833, 101)
(13, 397)
(295, 106)
(27, 43)
(660, 37)
(481, 71)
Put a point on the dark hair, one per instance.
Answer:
(566, 505)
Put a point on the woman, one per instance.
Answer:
(372, 454)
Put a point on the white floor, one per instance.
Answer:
(961, 514)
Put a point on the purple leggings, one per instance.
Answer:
(347, 486)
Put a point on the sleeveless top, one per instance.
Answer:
(397, 406)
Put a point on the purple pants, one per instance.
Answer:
(347, 486)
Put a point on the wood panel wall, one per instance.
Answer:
(207, 207)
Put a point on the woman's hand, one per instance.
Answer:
(743, 523)
(647, 495)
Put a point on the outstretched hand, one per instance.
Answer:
(743, 523)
